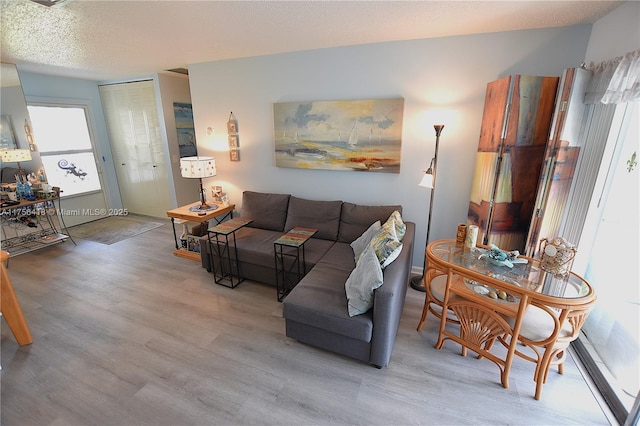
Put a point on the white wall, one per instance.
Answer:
(615, 34)
(171, 89)
(50, 88)
(432, 75)
(13, 104)
(175, 88)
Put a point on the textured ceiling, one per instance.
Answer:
(103, 40)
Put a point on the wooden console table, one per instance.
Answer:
(183, 213)
(537, 309)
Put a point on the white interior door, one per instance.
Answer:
(133, 122)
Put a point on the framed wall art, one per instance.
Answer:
(358, 135)
(234, 141)
(232, 125)
(7, 137)
(193, 243)
(186, 129)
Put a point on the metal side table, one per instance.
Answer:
(223, 249)
(287, 250)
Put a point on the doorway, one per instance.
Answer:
(67, 151)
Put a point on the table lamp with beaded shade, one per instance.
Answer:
(198, 168)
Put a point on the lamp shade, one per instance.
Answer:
(197, 167)
(427, 179)
(15, 155)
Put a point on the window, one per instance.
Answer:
(609, 253)
(63, 139)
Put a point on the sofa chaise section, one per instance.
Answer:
(316, 310)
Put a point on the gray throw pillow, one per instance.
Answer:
(360, 244)
(363, 280)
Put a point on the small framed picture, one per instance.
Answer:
(216, 192)
(193, 243)
(232, 125)
(233, 141)
(234, 155)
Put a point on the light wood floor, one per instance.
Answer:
(130, 334)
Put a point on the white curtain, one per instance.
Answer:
(615, 81)
(612, 82)
(594, 134)
(613, 87)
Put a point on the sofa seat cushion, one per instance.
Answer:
(321, 215)
(355, 219)
(268, 211)
(339, 256)
(255, 246)
(320, 301)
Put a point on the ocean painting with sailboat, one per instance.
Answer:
(358, 135)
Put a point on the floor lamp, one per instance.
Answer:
(428, 181)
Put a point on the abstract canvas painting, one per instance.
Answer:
(358, 135)
(186, 129)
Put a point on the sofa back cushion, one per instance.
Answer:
(355, 219)
(321, 215)
(268, 211)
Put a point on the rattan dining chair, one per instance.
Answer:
(547, 331)
(435, 283)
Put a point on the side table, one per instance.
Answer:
(222, 247)
(219, 214)
(290, 272)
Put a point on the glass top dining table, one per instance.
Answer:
(495, 302)
(529, 276)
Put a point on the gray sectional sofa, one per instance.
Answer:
(316, 310)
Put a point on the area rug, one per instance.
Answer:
(112, 229)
